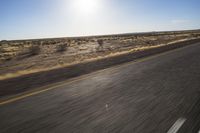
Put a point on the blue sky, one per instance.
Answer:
(26, 19)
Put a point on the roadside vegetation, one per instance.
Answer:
(39, 55)
(34, 50)
(62, 47)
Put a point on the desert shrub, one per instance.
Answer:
(195, 35)
(78, 43)
(100, 47)
(100, 42)
(28, 51)
(62, 47)
(92, 40)
(8, 58)
(1, 50)
(34, 50)
(69, 41)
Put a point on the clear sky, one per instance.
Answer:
(23, 19)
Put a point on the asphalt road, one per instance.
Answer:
(158, 94)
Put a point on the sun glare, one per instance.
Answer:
(86, 7)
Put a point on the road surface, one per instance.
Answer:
(157, 94)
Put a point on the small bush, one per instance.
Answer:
(1, 50)
(28, 52)
(100, 42)
(78, 43)
(61, 47)
(100, 47)
(8, 58)
(34, 50)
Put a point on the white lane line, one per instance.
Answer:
(177, 125)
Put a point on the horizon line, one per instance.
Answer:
(98, 35)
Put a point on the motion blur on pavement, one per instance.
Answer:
(97, 66)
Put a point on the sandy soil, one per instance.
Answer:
(16, 58)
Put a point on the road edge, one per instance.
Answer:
(28, 82)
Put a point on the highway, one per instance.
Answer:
(156, 94)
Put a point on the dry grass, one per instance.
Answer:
(34, 50)
(79, 51)
(62, 47)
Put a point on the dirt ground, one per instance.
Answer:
(29, 56)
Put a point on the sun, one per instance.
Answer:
(86, 7)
